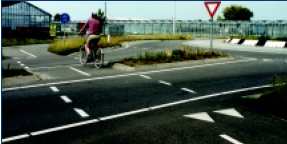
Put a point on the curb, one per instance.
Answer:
(247, 42)
(123, 67)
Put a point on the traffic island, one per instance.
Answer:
(167, 58)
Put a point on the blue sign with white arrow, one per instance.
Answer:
(65, 18)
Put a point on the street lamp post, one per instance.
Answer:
(174, 19)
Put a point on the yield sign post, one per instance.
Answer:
(212, 7)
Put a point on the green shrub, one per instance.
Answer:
(168, 55)
(65, 47)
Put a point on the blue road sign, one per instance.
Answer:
(65, 18)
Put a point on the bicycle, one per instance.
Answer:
(96, 56)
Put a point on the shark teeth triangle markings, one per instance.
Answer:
(230, 112)
(200, 116)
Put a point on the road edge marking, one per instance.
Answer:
(14, 138)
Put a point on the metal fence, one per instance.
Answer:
(198, 27)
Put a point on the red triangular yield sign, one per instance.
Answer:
(212, 7)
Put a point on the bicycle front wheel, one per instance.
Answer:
(99, 58)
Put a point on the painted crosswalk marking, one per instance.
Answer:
(54, 89)
(66, 99)
(164, 82)
(145, 76)
(230, 112)
(81, 112)
(188, 90)
(230, 139)
(200, 116)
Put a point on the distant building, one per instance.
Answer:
(22, 19)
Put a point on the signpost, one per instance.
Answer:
(211, 7)
(65, 18)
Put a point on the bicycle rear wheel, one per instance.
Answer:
(99, 58)
(83, 56)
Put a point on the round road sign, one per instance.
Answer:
(65, 18)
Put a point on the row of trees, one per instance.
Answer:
(236, 13)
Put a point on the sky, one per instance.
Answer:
(185, 10)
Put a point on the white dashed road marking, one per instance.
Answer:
(22, 65)
(188, 90)
(66, 99)
(145, 76)
(26, 67)
(123, 75)
(13, 138)
(81, 112)
(164, 82)
(230, 139)
(18, 62)
(54, 89)
(79, 71)
(77, 124)
(230, 112)
(27, 53)
(200, 116)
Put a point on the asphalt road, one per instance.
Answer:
(74, 108)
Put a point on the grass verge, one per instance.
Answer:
(70, 45)
(27, 41)
(167, 56)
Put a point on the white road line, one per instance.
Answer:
(81, 112)
(18, 62)
(188, 90)
(22, 65)
(164, 82)
(145, 76)
(26, 67)
(66, 99)
(123, 114)
(54, 89)
(77, 124)
(124, 75)
(49, 130)
(13, 138)
(79, 71)
(27, 53)
(230, 139)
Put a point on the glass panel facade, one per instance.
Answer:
(23, 14)
(199, 27)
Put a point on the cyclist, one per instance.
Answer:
(92, 29)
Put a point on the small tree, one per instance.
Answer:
(236, 13)
(57, 17)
